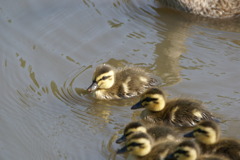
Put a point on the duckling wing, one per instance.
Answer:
(188, 118)
(183, 119)
(186, 113)
(132, 82)
(228, 148)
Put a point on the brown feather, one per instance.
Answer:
(206, 8)
(127, 82)
(178, 112)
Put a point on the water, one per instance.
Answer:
(48, 52)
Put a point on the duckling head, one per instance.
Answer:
(130, 129)
(207, 132)
(187, 150)
(153, 100)
(140, 144)
(103, 78)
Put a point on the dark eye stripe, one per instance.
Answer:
(201, 131)
(181, 151)
(105, 77)
(129, 133)
(135, 144)
(149, 99)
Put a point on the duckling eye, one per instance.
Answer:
(105, 77)
(180, 151)
(135, 144)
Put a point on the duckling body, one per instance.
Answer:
(212, 157)
(207, 134)
(189, 150)
(112, 83)
(155, 131)
(228, 148)
(179, 112)
(141, 147)
(206, 8)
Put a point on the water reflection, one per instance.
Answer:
(174, 41)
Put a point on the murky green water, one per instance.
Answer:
(48, 52)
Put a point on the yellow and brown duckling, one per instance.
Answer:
(207, 134)
(155, 131)
(178, 112)
(206, 8)
(114, 83)
(189, 150)
(140, 146)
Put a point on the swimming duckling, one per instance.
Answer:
(179, 112)
(206, 8)
(111, 83)
(141, 147)
(207, 134)
(155, 131)
(189, 150)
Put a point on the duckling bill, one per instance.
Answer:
(92, 87)
(116, 83)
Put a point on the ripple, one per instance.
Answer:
(141, 12)
(44, 99)
(67, 93)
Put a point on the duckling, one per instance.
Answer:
(113, 83)
(189, 150)
(140, 146)
(206, 8)
(155, 131)
(207, 134)
(179, 112)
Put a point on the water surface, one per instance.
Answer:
(48, 52)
